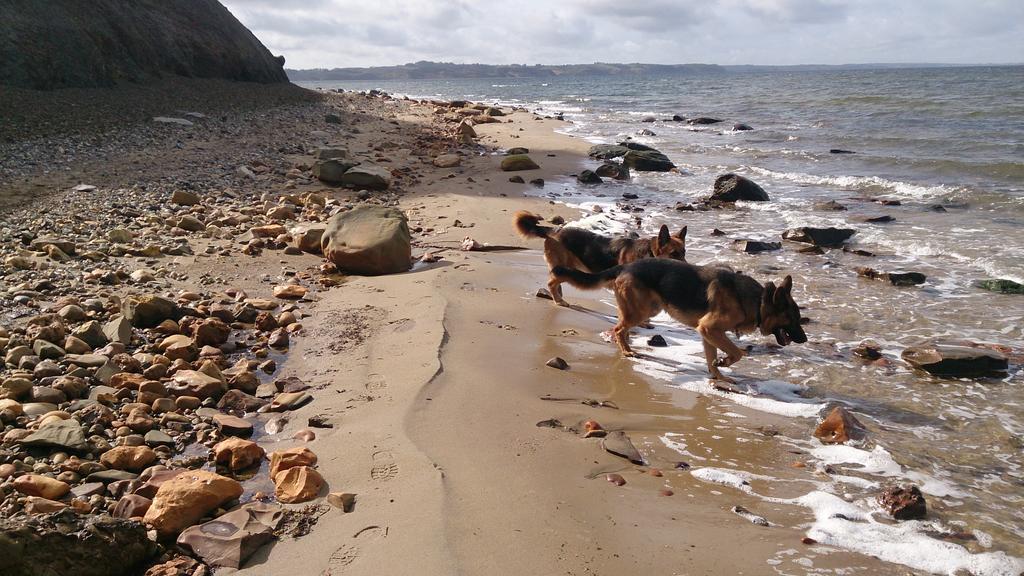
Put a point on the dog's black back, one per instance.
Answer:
(596, 252)
(685, 286)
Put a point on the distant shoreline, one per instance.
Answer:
(449, 71)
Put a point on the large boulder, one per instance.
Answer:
(517, 162)
(368, 176)
(369, 240)
(607, 151)
(233, 537)
(955, 361)
(733, 187)
(332, 170)
(647, 161)
(68, 543)
(64, 43)
(826, 237)
(149, 310)
(185, 499)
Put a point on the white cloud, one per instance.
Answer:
(337, 33)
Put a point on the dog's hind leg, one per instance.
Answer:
(555, 287)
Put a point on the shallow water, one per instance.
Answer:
(952, 137)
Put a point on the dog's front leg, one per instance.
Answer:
(555, 288)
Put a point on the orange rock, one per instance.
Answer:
(185, 499)
(297, 484)
(133, 458)
(839, 427)
(237, 453)
(42, 486)
(289, 291)
(127, 380)
(37, 505)
(284, 459)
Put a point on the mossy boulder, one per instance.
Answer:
(517, 162)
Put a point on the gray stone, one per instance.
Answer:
(367, 176)
(62, 434)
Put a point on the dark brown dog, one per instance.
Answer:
(584, 250)
(712, 300)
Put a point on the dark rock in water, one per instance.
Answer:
(630, 195)
(612, 170)
(733, 187)
(684, 207)
(741, 127)
(884, 202)
(937, 208)
(950, 360)
(232, 538)
(517, 180)
(618, 443)
(903, 502)
(755, 246)
(68, 543)
(840, 151)
(64, 44)
(658, 341)
(607, 151)
(647, 161)
(637, 146)
(678, 118)
(1001, 286)
(717, 232)
(646, 132)
(868, 350)
(538, 182)
(557, 363)
(826, 237)
(517, 150)
(703, 120)
(588, 177)
(878, 219)
(831, 205)
(649, 119)
(870, 255)
(894, 278)
(839, 427)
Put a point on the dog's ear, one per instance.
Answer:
(787, 284)
(664, 236)
(682, 233)
(769, 293)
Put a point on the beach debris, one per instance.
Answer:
(346, 501)
(544, 294)
(657, 341)
(950, 360)
(733, 187)
(232, 538)
(840, 151)
(585, 401)
(824, 237)
(619, 444)
(368, 240)
(170, 120)
(471, 245)
(808, 540)
(750, 516)
(557, 363)
(894, 278)
(616, 479)
(755, 246)
(839, 427)
(1001, 286)
(518, 162)
(550, 423)
(682, 466)
(517, 179)
(666, 492)
(655, 472)
(903, 502)
(319, 421)
(184, 499)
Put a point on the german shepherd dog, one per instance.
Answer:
(584, 250)
(712, 300)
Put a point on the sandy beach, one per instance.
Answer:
(431, 399)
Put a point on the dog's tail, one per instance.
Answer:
(528, 225)
(584, 280)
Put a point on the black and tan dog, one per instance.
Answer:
(584, 250)
(712, 300)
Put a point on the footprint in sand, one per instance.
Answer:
(375, 382)
(385, 467)
(347, 553)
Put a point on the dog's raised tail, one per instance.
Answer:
(585, 280)
(528, 225)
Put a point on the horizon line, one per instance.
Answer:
(879, 64)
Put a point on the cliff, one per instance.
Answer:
(47, 44)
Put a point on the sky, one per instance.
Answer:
(347, 33)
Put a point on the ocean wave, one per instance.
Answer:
(862, 183)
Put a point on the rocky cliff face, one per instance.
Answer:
(75, 43)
